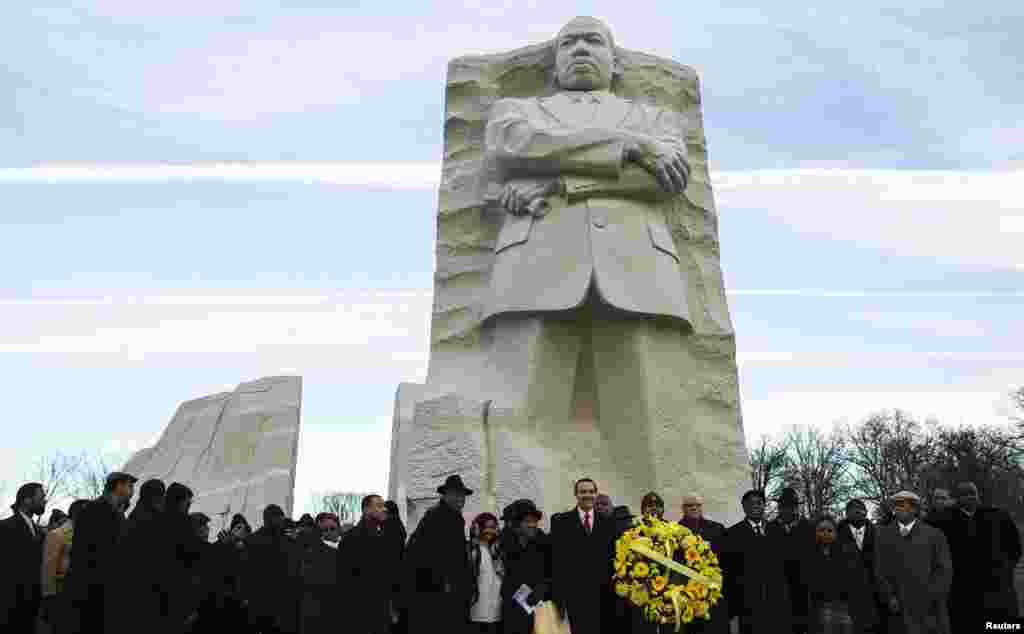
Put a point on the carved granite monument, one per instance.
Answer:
(580, 326)
(236, 450)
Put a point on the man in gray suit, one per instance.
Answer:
(586, 273)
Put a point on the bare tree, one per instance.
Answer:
(891, 452)
(90, 475)
(56, 473)
(767, 463)
(991, 457)
(347, 506)
(816, 467)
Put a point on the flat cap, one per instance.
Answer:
(119, 476)
(906, 495)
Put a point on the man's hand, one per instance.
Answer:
(520, 198)
(665, 159)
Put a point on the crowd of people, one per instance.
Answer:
(155, 569)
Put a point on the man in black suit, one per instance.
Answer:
(94, 555)
(21, 551)
(583, 545)
(985, 547)
(797, 535)
(856, 530)
(714, 534)
(752, 564)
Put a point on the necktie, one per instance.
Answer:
(586, 522)
(757, 529)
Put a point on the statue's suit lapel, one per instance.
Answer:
(610, 114)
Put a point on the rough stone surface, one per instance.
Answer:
(236, 450)
(691, 438)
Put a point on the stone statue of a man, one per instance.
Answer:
(587, 312)
(581, 168)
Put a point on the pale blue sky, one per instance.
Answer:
(866, 162)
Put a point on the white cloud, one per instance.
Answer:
(969, 217)
(981, 401)
(921, 321)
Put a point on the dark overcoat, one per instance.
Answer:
(21, 581)
(984, 549)
(529, 565)
(582, 568)
(440, 580)
(797, 545)
(918, 572)
(368, 576)
(754, 579)
(271, 582)
(95, 565)
(321, 604)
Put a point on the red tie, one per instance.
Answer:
(586, 522)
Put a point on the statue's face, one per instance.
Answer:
(584, 57)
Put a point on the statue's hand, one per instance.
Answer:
(520, 198)
(665, 159)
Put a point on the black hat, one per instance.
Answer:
(454, 482)
(519, 509)
(788, 496)
(857, 502)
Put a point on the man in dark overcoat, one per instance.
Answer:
(859, 533)
(985, 547)
(142, 585)
(369, 571)
(583, 549)
(21, 551)
(714, 534)
(752, 563)
(913, 571)
(797, 536)
(95, 560)
(271, 582)
(438, 565)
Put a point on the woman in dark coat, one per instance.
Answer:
(841, 594)
(526, 550)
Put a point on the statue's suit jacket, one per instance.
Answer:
(605, 231)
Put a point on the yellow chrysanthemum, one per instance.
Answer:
(621, 571)
(638, 596)
(700, 609)
(641, 570)
(687, 615)
(692, 555)
(659, 583)
(622, 589)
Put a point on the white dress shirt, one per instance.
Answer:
(31, 524)
(905, 529)
(858, 535)
(757, 526)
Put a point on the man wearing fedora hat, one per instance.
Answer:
(796, 535)
(439, 566)
(913, 570)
